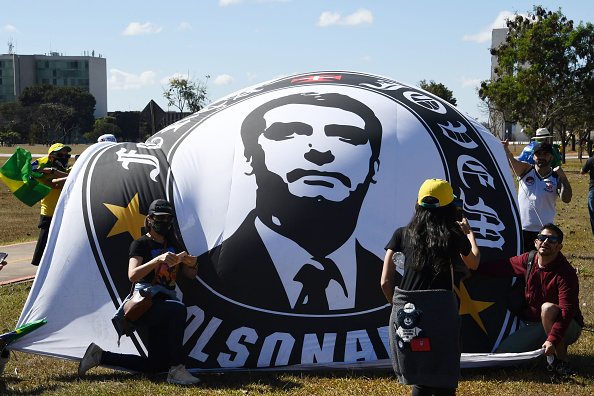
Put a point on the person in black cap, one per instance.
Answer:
(539, 186)
(156, 259)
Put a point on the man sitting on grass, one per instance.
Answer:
(552, 315)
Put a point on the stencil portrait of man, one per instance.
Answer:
(313, 156)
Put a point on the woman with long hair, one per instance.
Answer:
(424, 325)
(155, 261)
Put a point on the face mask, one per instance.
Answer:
(162, 227)
(62, 163)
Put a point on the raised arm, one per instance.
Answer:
(474, 257)
(564, 190)
(519, 167)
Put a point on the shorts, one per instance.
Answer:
(532, 336)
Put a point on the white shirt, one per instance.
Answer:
(289, 264)
(537, 196)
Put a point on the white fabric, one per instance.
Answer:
(537, 196)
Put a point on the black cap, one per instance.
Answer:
(548, 147)
(161, 207)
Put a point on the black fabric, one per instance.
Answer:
(516, 297)
(528, 240)
(435, 320)
(312, 298)
(148, 249)
(425, 279)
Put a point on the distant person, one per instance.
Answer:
(553, 316)
(156, 257)
(108, 137)
(589, 168)
(54, 171)
(542, 135)
(4, 352)
(425, 310)
(539, 187)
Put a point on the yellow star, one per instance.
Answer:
(129, 218)
(470, 306)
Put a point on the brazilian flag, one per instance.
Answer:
(17, 173)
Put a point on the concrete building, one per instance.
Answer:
(501, 128)
(87, 72)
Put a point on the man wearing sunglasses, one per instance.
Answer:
(552, 314)
(54, 170)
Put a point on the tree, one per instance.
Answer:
(543, 66)
(438, 90)
(104, 125)
(184, 92)
(58, 109)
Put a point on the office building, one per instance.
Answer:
(87, 72)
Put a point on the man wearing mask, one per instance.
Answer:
(54, 170)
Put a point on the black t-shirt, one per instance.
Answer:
(148, 249)
(425, 279)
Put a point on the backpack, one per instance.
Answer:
(516, 296)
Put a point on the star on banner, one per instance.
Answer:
(470, 306)
(129, 219)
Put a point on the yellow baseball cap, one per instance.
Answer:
(57, 147)
(438, 189)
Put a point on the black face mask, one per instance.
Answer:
(61, 163)
(162, 227)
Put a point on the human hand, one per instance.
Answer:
(505, 144)
(188, 259)
(549, 348)
(464, 226)
(169, 259)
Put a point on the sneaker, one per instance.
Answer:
(179, 375)
(91, 358)
(560, 367)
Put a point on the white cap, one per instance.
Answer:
(108, 137)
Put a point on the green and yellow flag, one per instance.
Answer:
(17, 173)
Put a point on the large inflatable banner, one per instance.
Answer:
(287, 192)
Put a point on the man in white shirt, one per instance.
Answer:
(539, 187)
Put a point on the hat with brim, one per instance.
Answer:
(161, 207)
(542, 133)
(544, 146)
(58, 147)
(435, 193)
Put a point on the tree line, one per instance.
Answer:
(544, 77)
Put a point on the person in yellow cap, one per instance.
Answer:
(54, 171)
(424, 324)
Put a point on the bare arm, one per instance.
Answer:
(474, 257)
(565, 192)
(138, 270)
(519, 167)
(388, 273)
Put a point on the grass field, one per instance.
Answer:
(28, 374)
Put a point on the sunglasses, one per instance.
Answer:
(552, 239)
(58, 155)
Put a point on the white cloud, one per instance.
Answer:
(469, 82)
(177, 76)
(184, 26)
(360, 17)
(223, 79)
(10, 28)
(136, 29)
(484, 35)
(366, 58)
(224, 3)
(122, 80)
(251, 76)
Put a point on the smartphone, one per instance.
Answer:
(459, 206)
(3, 256)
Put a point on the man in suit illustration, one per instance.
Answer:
(313, 157)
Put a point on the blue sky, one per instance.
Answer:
(240, 43)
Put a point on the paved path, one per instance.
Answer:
(19, 262)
